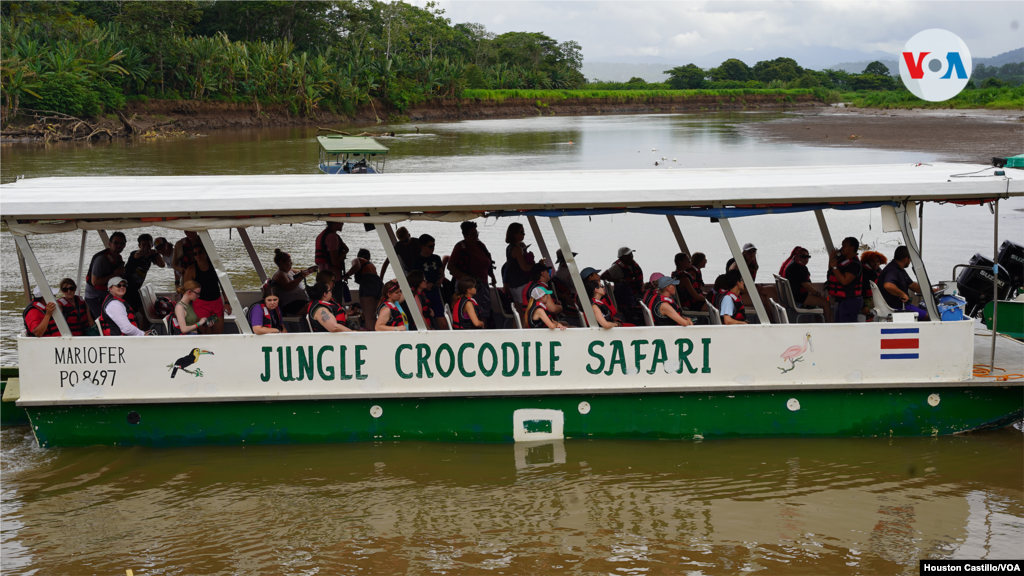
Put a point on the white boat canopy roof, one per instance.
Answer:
(59, 204)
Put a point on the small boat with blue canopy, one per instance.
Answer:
(351, 155)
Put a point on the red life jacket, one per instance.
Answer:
(605, 310)
(851, 290)
(397, 316)
(682, 294)
(739, 312)
(75, 312)
(271, 319)
(51, 328)
(88, 273)
(632, 275)
(461, 320)
(109, 327)
(696, 278)
(333, 307)
(661, 319)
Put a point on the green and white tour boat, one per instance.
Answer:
(503, 385)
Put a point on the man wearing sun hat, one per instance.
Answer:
(38, 315)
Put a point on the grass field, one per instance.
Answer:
(641, 95)
(992, 98)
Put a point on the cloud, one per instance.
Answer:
(685, 31)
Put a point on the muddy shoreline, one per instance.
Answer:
(973, 136)
(168, 118)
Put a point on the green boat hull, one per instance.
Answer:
(684, 415)
(10, 413)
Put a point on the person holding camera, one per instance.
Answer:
(290, 284)
(137, 267)
(844, 283)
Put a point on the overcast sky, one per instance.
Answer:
(684, 31)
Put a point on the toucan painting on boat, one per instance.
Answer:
(187, 360)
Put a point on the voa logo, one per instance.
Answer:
(935, 65)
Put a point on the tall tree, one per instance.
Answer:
(689, 77)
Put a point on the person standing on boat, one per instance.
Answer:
(105, 264)
(117, 318)
(265, 315)
(763, 292)
(518, 262)
(329, 255)
(74, 308)
(390, 316)
(565, 290)
(210, 304)
(183, 256)
(538, 313)
(844, 281)
(728, 301)
(185, 318)
(629, 284)
(292, 294)
(326, 315)
(465, 310)
(602, 312)
(799, 276)
(137, 267)
(370, 286)
(471, 258)
(166, 251)
(38, 316)
(418, 283)
(895, 284)
(433, 271)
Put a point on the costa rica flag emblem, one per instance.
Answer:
(900, 344)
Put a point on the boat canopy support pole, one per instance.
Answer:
(24, 276)
(903, 217)
(104, 238)
(741, 264)
(44, 286)
(225, 281)
(574, 272)
(825, 235)
(385, 234)
(678, 233)
(244, 235)
(920, 227)
(540, 241)
(81, 262)
(995, 281)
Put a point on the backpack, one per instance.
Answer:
(163, 307)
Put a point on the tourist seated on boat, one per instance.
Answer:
(727, 298)
(210, 304)
(845, 282)
(872, 262)
(290, 284)
(651, 288)
(390, 316)
(664, 309)
(326, 315)
(538, 312)
(628, 279)
(540, 275)
(433, 272)
(596, 294)
(465, 309)
(794, 269)
(418, 282)
(186, 321)
(763, 292)
(370, 285)
(689, 294)
(895, 284)
(182, 257)
(329, 255)
(590, 274)
(136, 268)
(117, 317)
(75, 310)
(515, 273)
(470, 257)
(265, 315)
(565, 291)
(38, 315)
(103, 266)
(697, 263)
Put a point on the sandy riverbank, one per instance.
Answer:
(954, 135)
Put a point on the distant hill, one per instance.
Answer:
(894, 67)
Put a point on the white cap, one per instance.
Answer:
(749, 246)
(37, 293)
(623, 251)
(539, 292)
(115, 281)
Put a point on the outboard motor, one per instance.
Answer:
(975, 285)
(1011, 259)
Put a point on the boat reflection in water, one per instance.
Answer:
(835, 506)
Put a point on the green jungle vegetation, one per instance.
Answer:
(723, 96)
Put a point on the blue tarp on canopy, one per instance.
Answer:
(734, 212)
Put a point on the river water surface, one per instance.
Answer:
(810, 506)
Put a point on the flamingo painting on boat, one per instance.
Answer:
(795, 354)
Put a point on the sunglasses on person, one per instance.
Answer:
(68, 288)
(808, 256)
(121, 285)
(196, 292)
